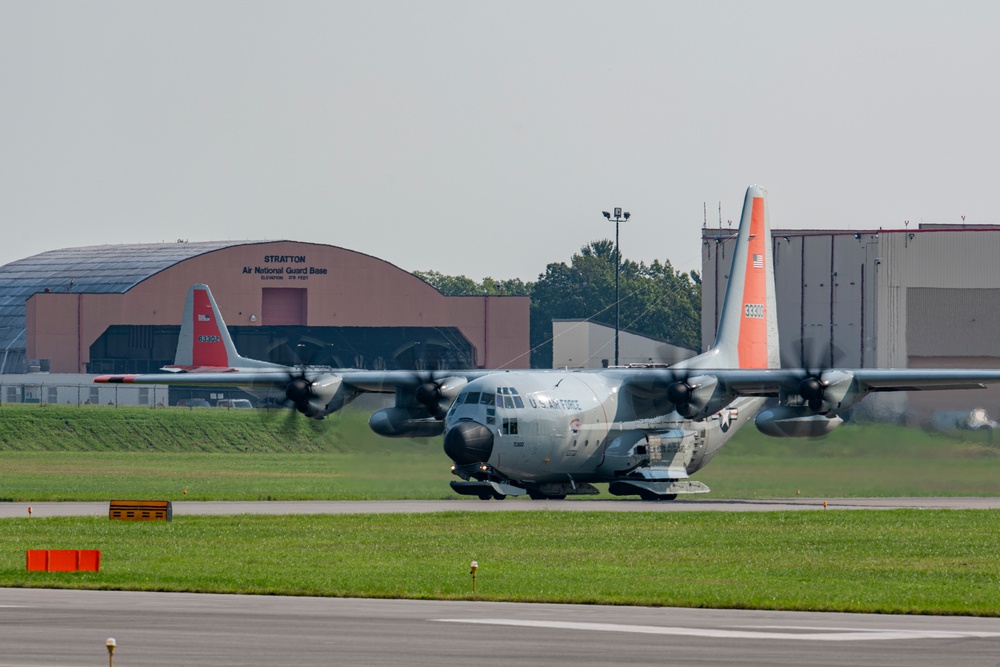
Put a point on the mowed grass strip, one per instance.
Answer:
(396, 471)
(56, 452)
(901, 561)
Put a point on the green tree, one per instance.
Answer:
(656, 299)
(465, 286)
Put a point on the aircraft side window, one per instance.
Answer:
(472, 397)
(487, 399)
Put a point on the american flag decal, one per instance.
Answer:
(204, 318)
(758, 261)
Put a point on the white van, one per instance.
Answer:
(234, 403)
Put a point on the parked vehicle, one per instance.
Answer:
(193, 403)
(234, 403)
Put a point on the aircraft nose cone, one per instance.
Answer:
(468, 442)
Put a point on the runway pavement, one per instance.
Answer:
(57, 628)
(181, 508)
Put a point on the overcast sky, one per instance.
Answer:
(486, 138)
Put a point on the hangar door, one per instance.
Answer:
(284, 306)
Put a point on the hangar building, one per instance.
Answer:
(913, 298)
(117, 309)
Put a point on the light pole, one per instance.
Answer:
(619, 217)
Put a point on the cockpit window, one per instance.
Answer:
(472, 397)
(507, 397)
(487, 399)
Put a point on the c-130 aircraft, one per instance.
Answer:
(554, 433)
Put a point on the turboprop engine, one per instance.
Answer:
(830, 391)
(318, 396)
(696, 397)
(419, 412)
(405, 423)
(795, 422)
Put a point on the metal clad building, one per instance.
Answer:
(911, 298)
(580, 343)
(117, 309)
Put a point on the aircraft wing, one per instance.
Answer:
(921, 379)
(360, 380)
(770, 382)
(742, 382)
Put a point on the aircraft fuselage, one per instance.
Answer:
(564, 426)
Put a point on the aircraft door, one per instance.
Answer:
(514, 429)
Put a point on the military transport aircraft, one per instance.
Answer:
(553, 433)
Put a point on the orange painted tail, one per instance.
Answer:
(748, 328)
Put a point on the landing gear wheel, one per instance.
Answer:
(534, 495)
(650, 496)
(485, 495)
(499, 496)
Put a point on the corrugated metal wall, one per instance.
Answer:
(876, 298)
(968, 319)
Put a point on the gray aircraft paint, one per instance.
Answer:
(614, 425)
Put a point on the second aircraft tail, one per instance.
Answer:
(204, 342)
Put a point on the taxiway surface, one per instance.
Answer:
(208, 508)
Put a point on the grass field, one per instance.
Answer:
(97, 452)
(896, 561)
(905, 561)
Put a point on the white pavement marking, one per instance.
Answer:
(824, 635)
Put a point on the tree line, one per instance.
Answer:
(656, 299)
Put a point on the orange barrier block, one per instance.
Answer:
(38, 560)
(90, 560)
(64, 560)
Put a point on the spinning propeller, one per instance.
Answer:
(429, 394)
(819, 382)
(691, 393)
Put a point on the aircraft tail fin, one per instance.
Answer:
(748, 328)
(204, 341)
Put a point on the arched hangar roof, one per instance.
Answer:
(100, 269)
